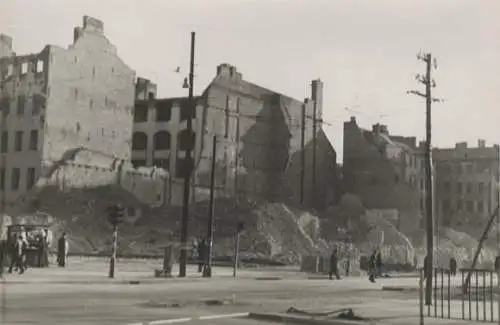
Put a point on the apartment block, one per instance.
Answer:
(59, 100)
(467, 181)
(268, 145)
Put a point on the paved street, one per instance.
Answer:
(81, 294)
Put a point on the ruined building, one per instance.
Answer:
(268, 145)
(65, 110)
(385, 171)
(466, 182)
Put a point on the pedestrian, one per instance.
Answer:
(334, 269)
(453, 266)
(202, 248)
(62, 250)
(378, 263)
(372, 267)
(348, 264)
(18, 254)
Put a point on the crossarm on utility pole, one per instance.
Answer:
(479, 248)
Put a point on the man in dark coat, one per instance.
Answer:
(202, 252)
(62, 250)
(453, 266)
(378, 263)
(334, 269)
(372, 267)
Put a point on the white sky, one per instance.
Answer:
(364, 51)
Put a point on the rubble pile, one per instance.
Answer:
(272, 230)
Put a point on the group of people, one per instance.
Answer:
(374, 267)
(18, 246)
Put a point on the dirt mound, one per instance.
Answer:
(272, 230)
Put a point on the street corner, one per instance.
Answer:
(302, 319)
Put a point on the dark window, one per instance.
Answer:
(480, 188)
(5, 106)
(30, 181)
(140, 113)
(459, 188)
(138, 163)
(34, 140)
(5, 142)
(38, 104)
(139, 141)
(21, 104)
(18, 142)
(2, 179)
(446, 206)
(163, 111)
(162, 140)
(468, 188)
(480, 206)
(15, 178)
(185, 108)
(162, 163)
(470, 206)
(185, 140)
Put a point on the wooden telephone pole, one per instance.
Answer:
(429, 83)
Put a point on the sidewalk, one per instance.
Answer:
(382, 312)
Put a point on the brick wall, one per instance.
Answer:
(90, 96)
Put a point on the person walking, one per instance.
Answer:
(18, 252)
(334, 269)
(372, 267)
(453, 266)
(378, 265)
(202, 250)
(62, 250)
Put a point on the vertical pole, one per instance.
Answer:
(421, 296)
(313, 175)
(484, 295)
(462, 296)
(210, 227)
(435, 292)
(477, 294)
(236, 253)
(498, 297)
(302, 154)
(442, 293)
(188, 167)
(449, 294)
(112, 261)
(491, 297)
(428, 180)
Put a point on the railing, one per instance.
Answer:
(479, 301)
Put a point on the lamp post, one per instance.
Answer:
(188, 166)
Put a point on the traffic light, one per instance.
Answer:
(240, 226)
(116, 214)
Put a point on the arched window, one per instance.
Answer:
(184, 140)
(162, 140)
(139, 141)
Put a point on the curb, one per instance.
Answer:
(284, 318)
(191, 319)
(268, 278)
(399, 289)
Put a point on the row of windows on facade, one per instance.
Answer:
(163, 163)
(15, 178)
(464, 206)
(18, 141)
(21, 103)
(163, 111)
(463, 168)
(467, 189)
(161, 140)
(23, 68)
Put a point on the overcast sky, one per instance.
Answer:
(364, 51)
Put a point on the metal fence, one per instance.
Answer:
(453, 297)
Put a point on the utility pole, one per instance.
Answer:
(188, 167)
(302, 153)
(116, 214)
(207, 271)
(429, 83)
